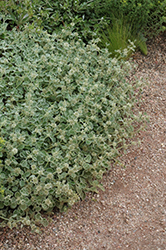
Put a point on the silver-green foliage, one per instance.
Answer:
(65, 108)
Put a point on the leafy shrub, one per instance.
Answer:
(18, 13)
(50, 15)
(55, 14)
(119, 35)
(89, 16)
(66, 110)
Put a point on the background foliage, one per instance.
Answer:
(146, 16)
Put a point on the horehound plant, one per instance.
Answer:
(66, 110)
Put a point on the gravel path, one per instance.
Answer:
(131, 213)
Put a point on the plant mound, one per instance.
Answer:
(65, 111)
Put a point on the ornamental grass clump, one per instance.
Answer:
(119, 36)
(65, 112)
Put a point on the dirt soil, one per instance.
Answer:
(131, 212)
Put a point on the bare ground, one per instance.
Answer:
(131, 213)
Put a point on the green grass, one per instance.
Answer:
(118, 36)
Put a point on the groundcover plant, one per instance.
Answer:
(66, 109)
